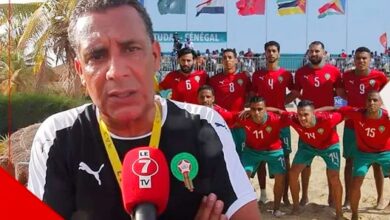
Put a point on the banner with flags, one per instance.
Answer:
(291, 7)
(171, 7)
(335, 7)
(250, 7)
(383, 40)
(211, 7)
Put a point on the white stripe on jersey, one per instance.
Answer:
(42, 143)
(238, 178)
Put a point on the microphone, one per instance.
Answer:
(145, 183)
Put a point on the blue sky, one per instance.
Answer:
(362, 25)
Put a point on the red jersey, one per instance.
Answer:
(231, 90)
(318, 85)
(372, 135)
(264, 137)
(323, 134)
(271, 85)
(229, 117)
(356, 88)
(184, 87)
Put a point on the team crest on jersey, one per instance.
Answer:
(327, 76)
(184, 167)
(240, 82)
(372, 82)
(197, 78)
(320, 130)
(268, 129)
(280, 79)
(381, 128)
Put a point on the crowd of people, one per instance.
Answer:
(226, 125)
(211, 61)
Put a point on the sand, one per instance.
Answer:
(317, 208)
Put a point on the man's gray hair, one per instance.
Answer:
(86, 6)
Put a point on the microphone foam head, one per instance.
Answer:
(145, 179)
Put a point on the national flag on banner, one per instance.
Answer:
(211, 7)
(291, 7)
(171, 6)
(335, 7)
(383, 40)
(250, 7)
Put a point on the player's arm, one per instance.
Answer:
(325, 108)
(292, 96)
(275, 110)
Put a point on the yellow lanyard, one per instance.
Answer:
(110, 147)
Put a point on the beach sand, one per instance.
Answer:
(317, 207)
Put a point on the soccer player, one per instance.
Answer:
(317, 82)
(186, 81)
(206, 97)
(372, 129)
(372, 133)
(231, 88)
(263, 145)
(317, 138)
(271, 84)
(357, 83)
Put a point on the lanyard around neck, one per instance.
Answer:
(110, 147)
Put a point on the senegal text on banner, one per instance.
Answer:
(195, 36)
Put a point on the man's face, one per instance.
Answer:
(272, 54)
(373, 102)
(362, 61)
(229, 62)
(316, 54)
(206, 98)
(257, 110)
(306, 116)
(116, 61)
(186, 63)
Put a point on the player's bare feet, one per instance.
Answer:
(303, 201)
(346, 205)
(263, 198)
(340, 217)
(388, 207)
(355, 217)
(381, 205)
(286, 201)
(296, 211)
(330, 202)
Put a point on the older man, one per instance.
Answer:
(117, 57)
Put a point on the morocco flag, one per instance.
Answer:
(250, 7)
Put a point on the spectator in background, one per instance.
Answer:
(189, 44)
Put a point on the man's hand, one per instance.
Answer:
(210, 209)
(244, 114)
